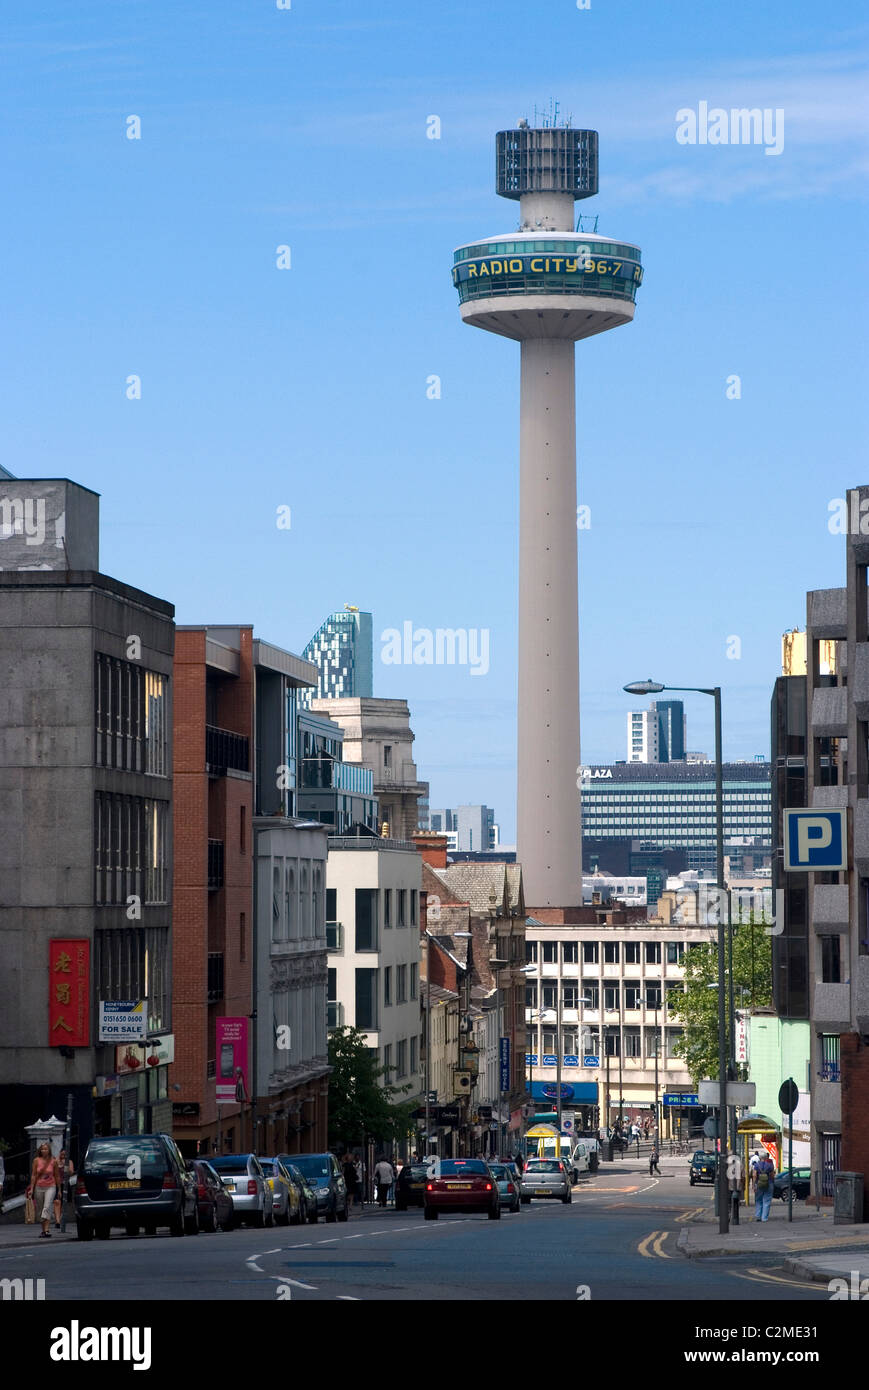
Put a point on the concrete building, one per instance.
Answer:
(377, 735)
(657, 735)
(612, 888)
(339, 794)
(837, 767)
(85, 821)
(613, 978)
(342, 649)
(467, 828)
(547, 287)
(373, 912)
(671, 806)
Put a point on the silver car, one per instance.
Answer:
(546, 1177)
(248, 1187)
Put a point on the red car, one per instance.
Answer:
(462, 1184)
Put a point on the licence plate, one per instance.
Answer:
(541, 1191)
(462, 1186)
(230, 1186)
(416, 1186)
(113, 1186)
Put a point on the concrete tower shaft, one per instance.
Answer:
(547, 286)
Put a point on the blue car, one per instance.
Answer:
(507, 1177)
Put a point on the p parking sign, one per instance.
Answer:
(815, 839)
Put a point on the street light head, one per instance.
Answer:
(648, 687)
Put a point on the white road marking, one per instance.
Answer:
(296, 1283)
(252, 1264)
(345, 1298)
(334, 1241)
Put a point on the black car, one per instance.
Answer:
(135, 1180)
(410, 1188)
(702, 1167)
(212, 1199)
(307, 1195)
(324, 1176)
(796, 1188)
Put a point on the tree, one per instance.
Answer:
(697, 1008)
(361, 1105)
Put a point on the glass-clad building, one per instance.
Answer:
(342, 649)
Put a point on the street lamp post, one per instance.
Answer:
(651, 687)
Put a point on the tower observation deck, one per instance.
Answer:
(547, 286)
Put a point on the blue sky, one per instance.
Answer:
(306, 387)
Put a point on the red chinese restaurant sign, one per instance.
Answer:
(68, 992)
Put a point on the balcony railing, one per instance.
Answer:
(334, 1014)
(215, 865)
(224, 750)
(215, 976)
(320, 774)
(334, 936)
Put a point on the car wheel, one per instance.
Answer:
(691, 1180)
(431, 1214)
(313, 1216)
(85, 1230)
(516, 1208)
(344, 1214)
(259, 1220)
(132, 1228)
(176, 1225)
(270, 1219)
(191, 1223)
(494, 1212)
(229, 1223)
(149, 1230)
(297, 1217)
(285, 1219)
(103, 1230)
(568, 1199)
(331, 1214)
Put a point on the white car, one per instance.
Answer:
(579, 1159)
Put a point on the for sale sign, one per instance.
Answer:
(122, 1020)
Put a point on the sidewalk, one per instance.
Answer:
(14, 1234)
(810, 1230)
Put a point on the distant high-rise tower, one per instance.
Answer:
(657, 734)
(342, 650)
(548, 286)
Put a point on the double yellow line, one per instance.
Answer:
(656, 1240)
(690, 1214)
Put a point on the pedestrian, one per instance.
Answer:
(65, 1171)
(653, 1162)
(360, 1182)
(44, 1182)
(762, 1177)
(349, 1171)
(384, 1176)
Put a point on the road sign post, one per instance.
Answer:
(788, 1099)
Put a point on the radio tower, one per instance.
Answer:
(547, 286)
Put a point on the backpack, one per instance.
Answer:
(762, 1179)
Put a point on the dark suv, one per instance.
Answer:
(701, 1168)
(135, 1180)
(323, 1172)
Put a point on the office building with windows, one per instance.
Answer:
(671, 806)
(657, 734)
(372, 911)
(378, 736)
(85, 821)
(467, 828)
(342, 649)
(339, 794)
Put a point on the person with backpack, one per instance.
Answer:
(762, 1177)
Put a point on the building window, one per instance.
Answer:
(387, 1063)
(591, 989)
(401, 1058)
(414, 907)
(653, 994)
(531, 994)
(830, 1068)
(414, 1055)
(611, 997)
(633, 995)
(675, 952)
(387, 755)
(331, 905)
(590, 952)
(632, 953)
(331, 985)
(549, 996)
(548, 1043)
(387, 907)
(531, 952)
(402, 907)
(611, 953)
(632, 1043)
(611, 1043)
(387, 986)
(550, 952)
(401, 984)
(674, 1036)
(130, 854)
(570, 952)
(831, 961)
(414, 986)
(366, 919)
(653, 953)
(570, 996)
(366, 1000)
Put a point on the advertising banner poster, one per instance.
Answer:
(232, 1060)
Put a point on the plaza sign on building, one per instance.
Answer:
(122, 1020)
(815, 839)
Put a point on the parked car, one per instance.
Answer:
(307, 1195)
(702, 1167)
(248, 1187)
(135, 1180)
(323, 1172)
(506, 1175)
(546, 1177)
(581, 1158)
(285, 1195)
(463, 1184)
(796, 1188)
(410, 1188)
(213, 1202)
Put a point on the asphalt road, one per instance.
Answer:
(617, 1240)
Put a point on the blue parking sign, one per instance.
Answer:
(815, 839)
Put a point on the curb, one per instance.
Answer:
(808, 1271)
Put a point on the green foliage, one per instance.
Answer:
(697, 1009)
(361, 1105)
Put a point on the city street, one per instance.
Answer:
(617, 1240)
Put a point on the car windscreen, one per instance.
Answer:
(269, 1167)
(316, 1167)
(456, 1166)
(415, 1171)
(113, 1155)
(229, 1163)
(500, 1171)
(543, 1165)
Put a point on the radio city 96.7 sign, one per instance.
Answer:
(576, 266)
